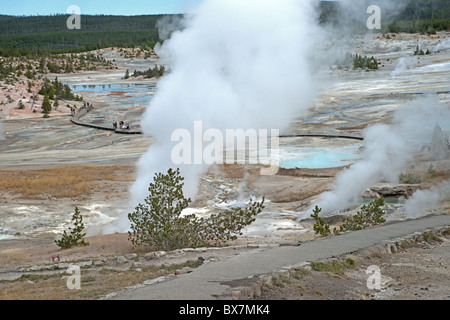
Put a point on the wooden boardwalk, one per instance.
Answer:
(76, 119)
(323, 135)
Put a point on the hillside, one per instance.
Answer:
(37, 35)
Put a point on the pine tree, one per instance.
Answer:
(321, 226)
(46, 106)
(369, 215)
(76, 235)
(159, 222)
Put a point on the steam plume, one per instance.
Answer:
(236, 65)
(387, 150)
(422, 200)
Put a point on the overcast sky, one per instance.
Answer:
(111, 7)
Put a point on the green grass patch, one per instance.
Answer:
(334, 266)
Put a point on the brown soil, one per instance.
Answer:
(26, 253)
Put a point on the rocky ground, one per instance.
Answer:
(417, 270)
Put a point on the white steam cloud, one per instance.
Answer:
(403, 65)
(387, 150)
(236, 65)
(422, 200)
(442, 46)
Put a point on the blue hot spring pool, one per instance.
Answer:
(127, 94)
(318, 158)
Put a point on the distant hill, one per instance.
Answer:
(54, 23)
(35, 35)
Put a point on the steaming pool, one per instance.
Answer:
(318, 158)
(122, 99)
(318, 153)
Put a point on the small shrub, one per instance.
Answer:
(350, 262)
(300, 273)
(431, 237)
(334, 266)
(369, 215)
(321, 226)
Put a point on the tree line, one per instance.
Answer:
(155, 72)
(61, 42)
(32, 68)
(43, 35)
(429, 26)
(54, 23)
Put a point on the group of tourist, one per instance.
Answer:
(88, 106)
(121, 125)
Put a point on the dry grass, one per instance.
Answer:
(437, 175)
(61, 182)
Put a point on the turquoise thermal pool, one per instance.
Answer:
(318, 158)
